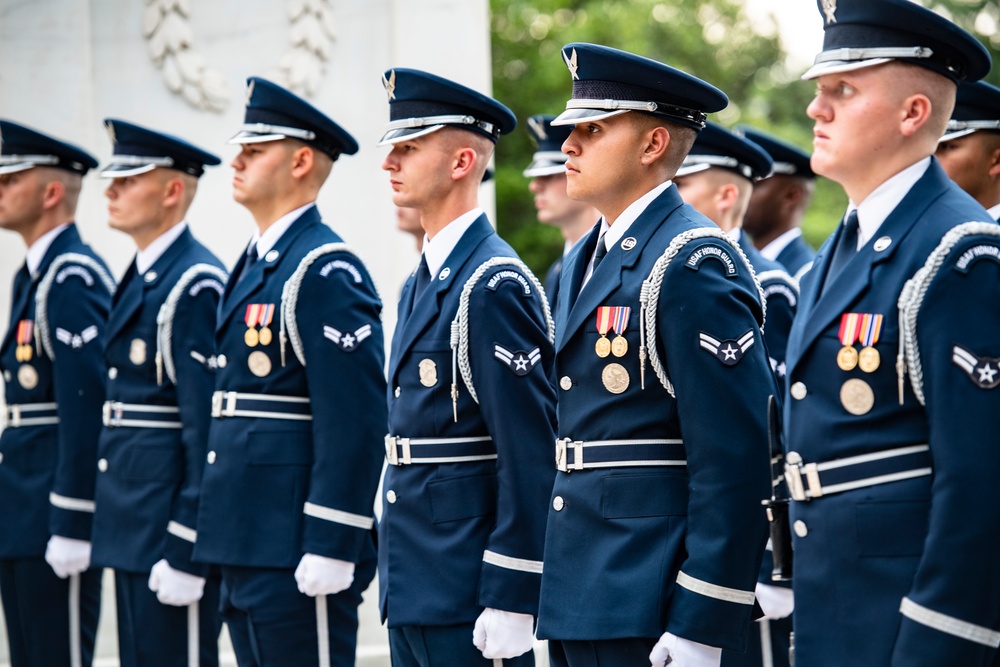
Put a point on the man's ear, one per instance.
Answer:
(302, 159)
(916, 112)
(464, 162)
(53, 194)
(657, 141)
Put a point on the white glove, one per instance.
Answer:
(679, 652)
(173, 587)
(67, 556)
(503, 634)
(776, 602)
(319, 575)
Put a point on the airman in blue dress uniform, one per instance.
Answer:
(159, 351)
(547, 172)
(717, 179)
(295, 444)
(655, 531)
(471, 410)
(54, 387)
(779, 202)
(969, 151)
(892, 361)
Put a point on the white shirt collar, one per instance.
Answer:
(877, 206)
(269, 238)
(36, 252)
(774, 248)
(144, 259)
(568, 245)
(437, 250)
(994, 212)
(735, 234)
(614, 233)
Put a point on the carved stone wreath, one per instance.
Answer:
(167, 29)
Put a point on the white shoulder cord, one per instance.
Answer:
(165, 317)
(911, 299)
(43, 334)
(649, 297)
(288, 327)
(460, 325)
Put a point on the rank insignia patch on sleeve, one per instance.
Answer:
(728, 352)
(983, 371)
(349, 341)
(519, 362)
(76, 341)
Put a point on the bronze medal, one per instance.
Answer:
(603, 347)
(869, 359)
(259, 363)
(19, 353)
(615, 378)
(857, 397)
(251, 337)
(619, 346)
(27, 376)
(264, 336)
(26, 353)
(847, 358)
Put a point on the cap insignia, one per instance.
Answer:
(249, 92)
(111, 132)
(390, 84)
(830, 9)
(538, 128)
(572, 64)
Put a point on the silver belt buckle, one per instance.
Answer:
(224, 404)
(217, 403)
(112, 413)
(106, 413)
(561, 454)
(7, 419)
(562, 447)
(391, 455)
(794, 469)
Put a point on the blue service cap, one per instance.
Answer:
(137, 150)
(549, 158)
(608, 82)
(421, 103)
(718, 147)
(862, 33)
(788, 159)
(22, 148)
(274, 113)
(977, 107)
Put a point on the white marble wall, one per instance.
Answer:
(67, 64)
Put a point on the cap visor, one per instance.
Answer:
(405, 134)
(838, 66)
(244, 137)
(574, 116)
(693, 168)
(121, 170)
(957, 134)
(16, 167)
(544, 168)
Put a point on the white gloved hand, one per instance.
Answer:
(174, 587)
(67, 556)
(679, 652)
(775, 601)
(319, 575)
(503, 634)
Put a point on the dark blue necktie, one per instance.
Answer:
(423, 278)
(22, 283)
(600, 252)
(846, 248)
(249, 259)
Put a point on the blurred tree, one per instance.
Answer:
(712, 39)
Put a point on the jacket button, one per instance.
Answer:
(1, 458)
(112, 373)
(799, 391)
(558, 503)
(566, 382)
(397, 392)
(221, 361)
(800, 528)
(211, 457)
(390, 495)
(102, 465)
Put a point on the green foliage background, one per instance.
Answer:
(712, 39)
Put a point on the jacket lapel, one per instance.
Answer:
(817, 312)
(18, 309)
(238, 289)
(428, 305)
(608, 276)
